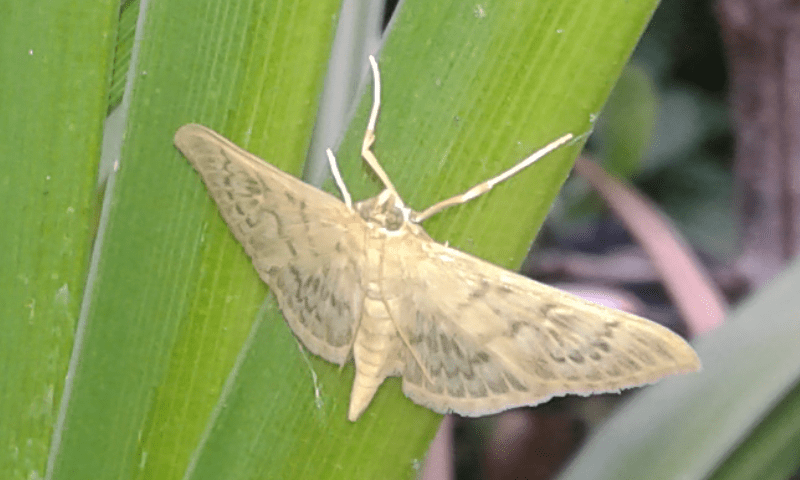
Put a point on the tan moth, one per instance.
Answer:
(366, 281)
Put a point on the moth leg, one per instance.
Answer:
(484, 187)
(338, 177)
(369, 135)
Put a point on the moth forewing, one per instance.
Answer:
(365, 280)
(303, 242)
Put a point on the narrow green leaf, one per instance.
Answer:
(55, 58)
(174, 297)
(770, 450)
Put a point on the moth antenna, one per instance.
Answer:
(348, 200)
(484, 187)
(369, 135)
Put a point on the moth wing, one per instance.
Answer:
(483, 339)
(304, 243)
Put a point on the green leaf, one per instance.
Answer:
(472, 89)
(53, 95)
(182, 366)
(163, 328)
(770, 450)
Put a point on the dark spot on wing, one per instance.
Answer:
(555, 336)
(515, 383)
(515, 328)
(278, 222)
(496, 384)
(457, 351)
(445, 343)
(481, 291)
(433, 347)
(557, 358)
(480, 357)
(576, 356)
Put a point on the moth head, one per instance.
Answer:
(387, 210)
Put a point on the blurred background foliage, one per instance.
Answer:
(666, 127)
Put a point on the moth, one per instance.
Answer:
(364, 280)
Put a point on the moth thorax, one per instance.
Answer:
(386, 210)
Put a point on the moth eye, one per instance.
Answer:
(394, 219)
(364, 209)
